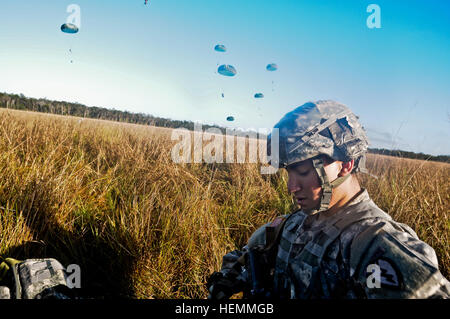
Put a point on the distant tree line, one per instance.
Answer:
(21, 102)
(406, 154)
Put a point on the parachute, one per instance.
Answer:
(230, 118)
(69, 28)
(259, 96)
(224, 69)
(220, 48)
(227, 70)
(271, 67)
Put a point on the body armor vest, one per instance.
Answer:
(301, 249)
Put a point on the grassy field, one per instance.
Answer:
(108, 196)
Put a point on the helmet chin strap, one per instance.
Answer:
(327, 186)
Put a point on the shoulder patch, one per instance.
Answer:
(389, 276)
(399, 271)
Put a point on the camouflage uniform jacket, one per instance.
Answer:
(359, 252)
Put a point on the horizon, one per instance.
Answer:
(260, 135)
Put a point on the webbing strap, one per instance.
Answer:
(5, 265)
(325, 183)
(327, 186)
(287, 237)
(10, 264)
(3, 270)
(338, 181)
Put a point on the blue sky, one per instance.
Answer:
(159, 59)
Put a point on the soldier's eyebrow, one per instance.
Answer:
(294, 166)
(299, 166)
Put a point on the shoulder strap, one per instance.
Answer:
(273, 231)
(360, 244)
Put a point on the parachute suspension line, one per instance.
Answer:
(70, 28)
(272, 67)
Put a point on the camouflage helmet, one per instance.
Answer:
(320, 128)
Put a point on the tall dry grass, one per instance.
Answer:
(107, 196)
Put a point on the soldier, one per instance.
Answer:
(339, 244)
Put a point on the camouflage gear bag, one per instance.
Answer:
(33, 279)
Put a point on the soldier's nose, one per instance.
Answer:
(293, 187)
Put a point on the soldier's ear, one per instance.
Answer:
(347, 168)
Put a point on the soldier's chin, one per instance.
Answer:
(309, 208)
(306, 207)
